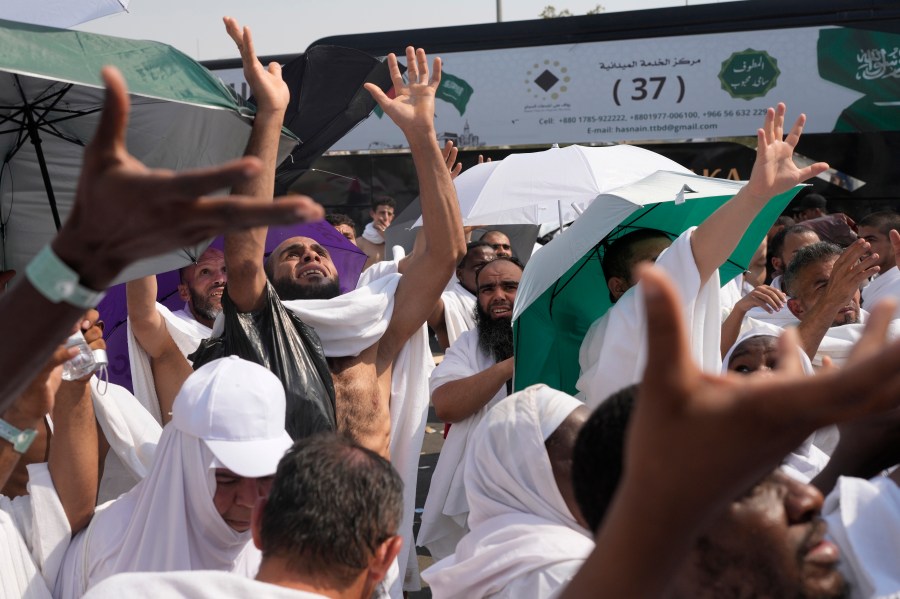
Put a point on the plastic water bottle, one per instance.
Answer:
(81, 365)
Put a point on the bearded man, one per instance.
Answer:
(475, 374)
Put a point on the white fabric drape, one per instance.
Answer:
(885, 285)
(166, 522)
(459, 310)
(614, 351)
(863, 518)
(34, 534)
(446, 508)
(207, 584)
(524, 541)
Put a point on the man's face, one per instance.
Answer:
(475, 259)
(809, 288)
(881, 245)
(303, 270)
(793, 243)
(236, 495)
(757, 355)
(771, 543)
(203, 284)
(348, 232)
(498, 282)
(500, 243)
(382, 216)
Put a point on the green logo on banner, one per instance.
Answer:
(452, 89)
(749, 74)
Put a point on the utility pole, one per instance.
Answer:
(499, 11)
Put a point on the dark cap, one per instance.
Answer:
(812, 200)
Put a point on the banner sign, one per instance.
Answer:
(670, 88)
(655, 89)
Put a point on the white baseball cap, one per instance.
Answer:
(237, 408)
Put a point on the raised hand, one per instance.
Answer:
(125, 211)
(269, 89)
(774, 171)
(450, 152)
(412, 108)
(766, 297)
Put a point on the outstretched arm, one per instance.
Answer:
(706, 426)
(773, 172)
(104, 232)
(426, 273)
(244, 250)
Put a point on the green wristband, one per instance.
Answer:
(58, 283)
(21, 439)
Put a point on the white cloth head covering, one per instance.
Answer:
(168, 521)
(524, 540)
(755, 328)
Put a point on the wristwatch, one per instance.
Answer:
(21, 439)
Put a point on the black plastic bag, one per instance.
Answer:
(278, 340)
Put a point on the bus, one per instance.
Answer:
(691, 83)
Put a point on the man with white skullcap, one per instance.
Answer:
(192, 512)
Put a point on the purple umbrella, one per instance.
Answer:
(347, 258)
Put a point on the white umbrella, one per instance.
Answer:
(59, 13)
(552, 186)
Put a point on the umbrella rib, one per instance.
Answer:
(557, 290)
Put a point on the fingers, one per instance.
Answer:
(796, 131)
(379, 96)
(813, 170)
(789, 361)
(234, 32)
(436, 72)
(412, 67)
(422, 65)
(210, 216)
(110, 133)
(778, 123)
(669, 361)
(274, 69)
(248, 49)
(396, 76)
(199, 182)
(769, 127)
(454, 173)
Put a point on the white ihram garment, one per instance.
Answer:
(524, 542)
(166, 522)
(459, 310)
(886, 285)
(863, 518)
(614, 351)
(34, 534)
(207, 584)
(839, 341)
(446, 508)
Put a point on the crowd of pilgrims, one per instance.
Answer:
(727, 439)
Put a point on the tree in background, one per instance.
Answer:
(550, 11)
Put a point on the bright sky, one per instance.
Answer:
(289, 26)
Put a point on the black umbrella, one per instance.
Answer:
(327, 101)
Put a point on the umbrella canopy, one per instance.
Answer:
(563, 289)
(327, 101)
(60, 13)
(347, 258)
(51, 96)
(546, 187)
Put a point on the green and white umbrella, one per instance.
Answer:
(563, 289)
(51, 96)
